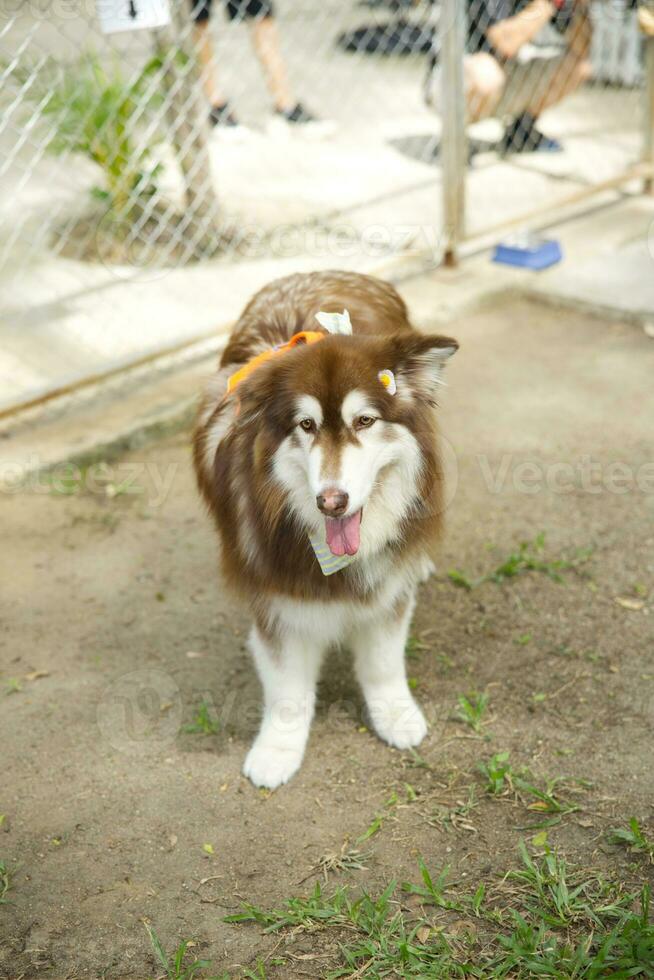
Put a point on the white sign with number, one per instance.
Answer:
(132, 15)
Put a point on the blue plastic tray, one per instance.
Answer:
(540, 255)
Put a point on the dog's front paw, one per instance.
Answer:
(269, 766)
(400, 723)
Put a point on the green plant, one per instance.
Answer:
(174, 966)
(5, 881)
(634, 838)
(528, 558)
(431, 891)
(96, 111)
(452, 818)
(545, 801)
(349, 859)
(498, 773)
(414, 647)
(471, 709)
(203, 723)
(560, 924)
(559, 897)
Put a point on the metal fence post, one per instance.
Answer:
(648, 149)
(452, 35)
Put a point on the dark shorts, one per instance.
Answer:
(236, 9)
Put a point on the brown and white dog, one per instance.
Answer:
(325, 453)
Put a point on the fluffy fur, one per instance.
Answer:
(312, 422)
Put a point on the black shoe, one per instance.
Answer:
(523, 137)
(222, 115)
(299, 119)
(297, 116)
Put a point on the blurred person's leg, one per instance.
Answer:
(540, 86)
(264, 34)
(572, 70)
(522, 89)
(260, 16)
(485, 81)
(266, 44)
(220, 113)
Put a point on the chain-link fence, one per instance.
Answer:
(561, 94)
(152, 176)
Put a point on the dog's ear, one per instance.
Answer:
(419, 362)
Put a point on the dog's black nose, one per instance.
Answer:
(332, 503)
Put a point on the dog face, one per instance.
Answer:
(348, 429)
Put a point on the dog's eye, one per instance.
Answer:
(364, 422)
(308, 425)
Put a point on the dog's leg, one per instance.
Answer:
(288, 673)
(378, 648)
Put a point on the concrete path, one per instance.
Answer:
(356, 200)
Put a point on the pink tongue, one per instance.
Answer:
(344, 534)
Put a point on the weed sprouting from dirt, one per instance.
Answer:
(527, 558)
(634, 838)
(414, 647)
(347, 859)
(203, 723)
(472, 709)
(502, 780)
(543, 919)
(174, 966)
(498, 773)
(456, 817)
(5, 882)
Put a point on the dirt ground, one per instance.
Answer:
(114, 632)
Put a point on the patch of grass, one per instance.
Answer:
(96, 111)
(453, 818)
(431, 891)
(414, 647)
(259, 972)
(527, 558)
(545, 920)
(562, 898)
(546, 801)
(5, 882)
(462, 580)
(416, 761)
(498, 773)
(174, 966)
(471, 710)
(373, 828)
(203, 723)
(501, 778)
(633, 838)
(349, 859)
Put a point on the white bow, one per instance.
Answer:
(335, 322)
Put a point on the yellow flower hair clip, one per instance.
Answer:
(387, 378)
